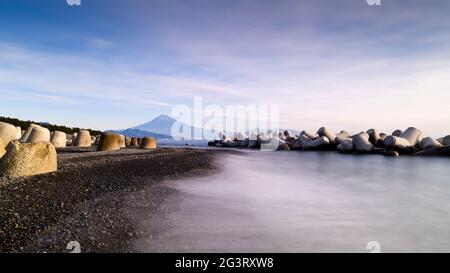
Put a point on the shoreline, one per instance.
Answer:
(84, 200)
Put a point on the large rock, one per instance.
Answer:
(83, 139)
(39, 134)
(58, 139)
(148, 143)
(26, 159)
(127, 141)
(8, 132)
(108, 142)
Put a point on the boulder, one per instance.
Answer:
(430, 142)
(127, 141)
(27, 159)
(148, 143)
(82, 139)
(8, 132)
(58, 139)
(108, 142)
(361, 143)
(407, 139)
(39, 134)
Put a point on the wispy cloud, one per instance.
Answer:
(342, 64)
(100, 43)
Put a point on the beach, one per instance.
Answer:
(197, 199)
(84, 200)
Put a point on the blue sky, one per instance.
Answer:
(118, 63)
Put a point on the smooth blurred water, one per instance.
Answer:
(307, 202)
(179, 143)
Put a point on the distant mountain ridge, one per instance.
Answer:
(159, 125)
(163, 125)
(161, 128)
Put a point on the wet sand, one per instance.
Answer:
(84, 201)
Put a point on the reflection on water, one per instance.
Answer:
(308, 202)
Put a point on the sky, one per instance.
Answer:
(112, 64)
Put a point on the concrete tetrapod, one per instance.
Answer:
(58, 139)
(8, 132)
(407, 139)
(39, 134)
(27, 159)
(82, 139)
(324, 132)
(148, 143)
(361, 143)
(430, 142)
(108, 142)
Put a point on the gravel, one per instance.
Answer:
(84, 200)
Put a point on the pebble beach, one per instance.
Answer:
(83, 201)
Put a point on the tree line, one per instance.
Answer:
(24, 125)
